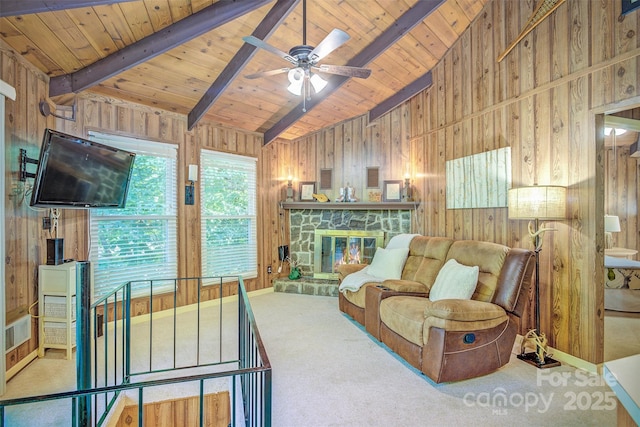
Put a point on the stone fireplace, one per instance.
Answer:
(354, 219)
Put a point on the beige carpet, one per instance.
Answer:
(328, 372)
(621, 334)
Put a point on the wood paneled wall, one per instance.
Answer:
(545, 100)
(25, 239)
(180, 412)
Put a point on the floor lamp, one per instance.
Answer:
(535, 203)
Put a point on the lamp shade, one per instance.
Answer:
(296, 78)
(611, 224)
(538, 202)
(317, 82)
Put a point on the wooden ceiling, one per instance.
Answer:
(188, 56)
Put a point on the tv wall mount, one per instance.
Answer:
(24, 161)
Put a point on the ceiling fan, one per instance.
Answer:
(305, 58)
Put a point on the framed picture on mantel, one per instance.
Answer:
(307, 189)
(392, 191)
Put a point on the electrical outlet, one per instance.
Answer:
(46, 223)
(269, 270)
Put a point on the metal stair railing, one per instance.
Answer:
(246, 368)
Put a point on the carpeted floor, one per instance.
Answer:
(327, 371)
(621, 334)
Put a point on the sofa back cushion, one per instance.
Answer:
(488, 256)
(426, 256)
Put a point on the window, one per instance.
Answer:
(228, 203)
(139, 241)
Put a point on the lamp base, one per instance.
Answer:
(532, 359)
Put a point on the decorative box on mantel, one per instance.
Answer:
(390, 218)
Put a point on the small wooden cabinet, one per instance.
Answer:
(57, 308)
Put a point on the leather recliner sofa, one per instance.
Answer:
(449, 339)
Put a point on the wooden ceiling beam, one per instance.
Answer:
(268, 25)
(395, 32)
(24, 7)
(421, 83)
(174, 35)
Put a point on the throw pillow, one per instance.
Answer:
(388, 263)
(454, 281)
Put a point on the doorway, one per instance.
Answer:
(622, 239)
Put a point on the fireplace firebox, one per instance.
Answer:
(335, 247)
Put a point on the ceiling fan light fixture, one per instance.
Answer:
(296, 79)
(317, 82)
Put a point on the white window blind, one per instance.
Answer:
(228, 211)
(138, 242)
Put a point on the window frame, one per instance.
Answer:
(244, 163)
(168, 217)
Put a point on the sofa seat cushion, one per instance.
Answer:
(456, 315)
(358, 297)
(405, 286)
(404, 316)
(463, 310)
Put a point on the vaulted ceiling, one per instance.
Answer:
(188, 56)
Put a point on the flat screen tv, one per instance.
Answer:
(77, 173)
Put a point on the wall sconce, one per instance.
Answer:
(189, 190)
(289, 188)
(407, 188)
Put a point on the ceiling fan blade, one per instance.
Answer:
(344, 70)
(334, 40)
(267, 73)
(261, 44)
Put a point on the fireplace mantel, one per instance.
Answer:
(353, 206)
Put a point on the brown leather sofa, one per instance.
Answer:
(450, 339)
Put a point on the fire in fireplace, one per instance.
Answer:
(335, 247)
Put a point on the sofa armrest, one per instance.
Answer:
(346, 269)
(464, 310)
